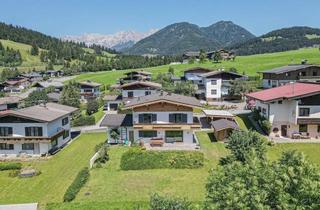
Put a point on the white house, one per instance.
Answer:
(194, 74)
(163, 116)
(138, 89)
(35, 130)
(292, 109)
(89, 90)
(9, 102)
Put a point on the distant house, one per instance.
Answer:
(194, 74)
(35, 130)
(138, 89)
(58, 86)
(54, 73)
(161, 117)
(112, 102)
(292, 109)
(225, 55)
(290, 73)
(54, 97)
(89, 90)
(10, 102)
(16, 84)
(134, 76)
(33, 76)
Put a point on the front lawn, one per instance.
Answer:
(56, 174)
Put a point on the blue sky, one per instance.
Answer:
(74, 17)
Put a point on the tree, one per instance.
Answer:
(233, 70)
(36, 97)
(202, 56)
(92, 106)
(158, 202)
(49, 66)
(240, 87)
(34, 49)
(216, 57)
(70, 94)
(171, 70)
(192, 60)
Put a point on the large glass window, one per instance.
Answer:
(178, 118)
(147, 118)
(5, 131)
(147, 134)
(304, 111)
(33, 131)
(174, 136)
(66, 134)
(303, 128)
(28, 146)
(5, 146)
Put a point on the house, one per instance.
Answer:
(138, 89)
(32, 76)
(133, 76)
(58, 86)
(89, 90)
(112, 102)
(195, 55)
(54, 97)
(217, 84)
(9, 102)
(16, 84)
(292, 109)
(290, 73)
(54, 73)
(35, 130)
(163, 116)
(194, 74)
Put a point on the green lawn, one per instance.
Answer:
(56, 175)
(98, 115)
(248, 64)
(244, 122)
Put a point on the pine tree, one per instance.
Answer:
(34, 49)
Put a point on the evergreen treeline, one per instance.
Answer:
(9, 57)
(280, 40)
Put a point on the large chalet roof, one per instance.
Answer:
(197, 70)
(163, 97)
(213, 73)
(289, 68)
(90, 83)
(48, 83)
(41, 113)
(140, 83)
(288, 91)
(117, 120)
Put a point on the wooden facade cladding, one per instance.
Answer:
(311, 71)
(31, 139)
(162, 107)
(309, 121)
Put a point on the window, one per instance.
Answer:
(54, 143)
(264, 111)
(318, 128)
(130, 94)
(303, 73)
(304, 111)
(33, 131)
(279, 102)
(314, 73)
(174, 136)
(147, 134)
(213, 92)
(269, 82)
(5, 131)
(148, 92)
(213, 82)
(28, 146)
(147, 118)
(65, 121)
(178, 118)
(66, 134)
(303, 128)
(5, 146)
(259, 108)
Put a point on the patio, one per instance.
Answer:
(173, 146)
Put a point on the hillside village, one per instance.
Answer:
(187, 117)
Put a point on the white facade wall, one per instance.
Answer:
(266, 83)
(209, 87)
(3, 107)
(162, 117)
(187, 136)
(137, 93)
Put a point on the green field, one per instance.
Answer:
(247, 64)
(56, 174)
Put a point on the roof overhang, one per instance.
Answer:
(126, 107)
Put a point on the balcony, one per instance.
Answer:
(312, 119)
(32, 139)
(168, 126)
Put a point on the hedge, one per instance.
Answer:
(139, 159)
(76, 185)
(10, 166)
(83, 120)
(158, 202)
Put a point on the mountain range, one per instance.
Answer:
(178, 38)
(118, 41)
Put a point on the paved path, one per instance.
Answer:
(27, 206)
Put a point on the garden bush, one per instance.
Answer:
(83, 120)
(139, 159)
(76, 185)
(10, 166)
(158, 202)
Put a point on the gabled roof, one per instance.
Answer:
(288, 91)
(41, 113)
(10, 100)
(117, 120)
(112, 98)
(139, 72)
(222, 124)
(212, 73)
(141, 83)
(289, 68)
(163, 97)
(90, 83)
(49, 83)
(198, 70)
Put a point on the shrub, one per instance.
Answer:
(10, 166)
(139, 159)
(92, 106)
(83, 120)
(266, 126)
(103, 155)
(158, 202)
(76, 185)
